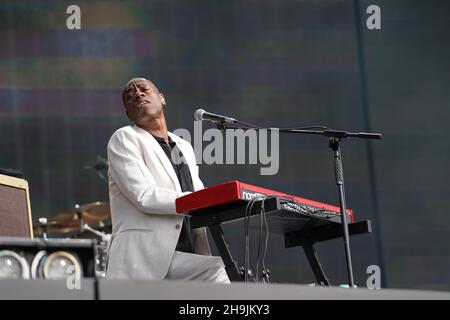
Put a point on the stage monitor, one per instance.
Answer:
(15, 208)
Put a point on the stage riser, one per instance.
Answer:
(105, 289)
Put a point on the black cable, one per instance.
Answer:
(263, 214)
(248, 124)
(248, 210)
(306, 128)
(263, 218)
(259, 245)
(265, 269)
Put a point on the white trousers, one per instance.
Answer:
(188, 266)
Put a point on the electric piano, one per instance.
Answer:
(303, 222)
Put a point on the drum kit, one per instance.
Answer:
(87, 221)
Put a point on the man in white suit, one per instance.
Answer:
(149, 168)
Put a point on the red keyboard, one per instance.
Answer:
(236, 191)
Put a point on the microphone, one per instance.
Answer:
(201, 115)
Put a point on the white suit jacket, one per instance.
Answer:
(143, 187)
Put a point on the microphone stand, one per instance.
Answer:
(335, 137)
(100, 165)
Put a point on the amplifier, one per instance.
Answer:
(15, 209)
(24, 258)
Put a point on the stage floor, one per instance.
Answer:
(104, 289)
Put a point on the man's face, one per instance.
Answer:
(143, 102)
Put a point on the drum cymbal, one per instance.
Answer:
(96, 211)
(94, 214)
(54, 227)
(91, 213)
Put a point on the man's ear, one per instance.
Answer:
(163, 100)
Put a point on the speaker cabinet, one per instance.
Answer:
(36, 258)
(15, 209)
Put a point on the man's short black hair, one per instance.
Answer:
(124, 95)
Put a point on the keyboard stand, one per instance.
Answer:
(230, 265)
(307, 239)
(306, 236)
